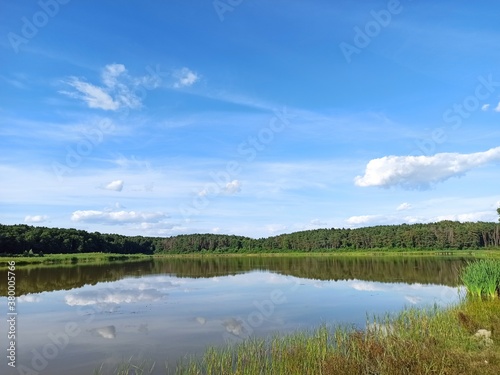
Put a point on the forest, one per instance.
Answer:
(444, 235)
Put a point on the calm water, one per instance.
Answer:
(72, 320)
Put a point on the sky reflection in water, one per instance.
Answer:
(164, 317)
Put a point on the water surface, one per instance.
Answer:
(74, 319)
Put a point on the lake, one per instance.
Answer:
(75, 319)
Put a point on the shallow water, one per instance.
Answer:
(72, 320)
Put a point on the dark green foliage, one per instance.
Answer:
(444, 235)
(16, 239)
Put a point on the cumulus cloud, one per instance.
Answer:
(36, 218)
(185, 78)
(112, 296)
(107, 332)
(468, 217)
(116, 217)
(403, 206)
(115, 185)
(366, 286)
(28, 298)
(118, 89)
(235, 327)
(422, 171)
(233, 187)
(363, 219)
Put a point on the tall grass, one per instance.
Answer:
(482, 278)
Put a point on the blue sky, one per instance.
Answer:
(247, 117)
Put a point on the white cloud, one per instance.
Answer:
(107, 332)
(485, 107)
(413, 299)
(404, 206)
(36, 218)
(497, 108)
(414, 219)
(422, 171)
(233, 187)
(116, 217)
(275, 228)
(111, 73)
(118, 90)
(111, 296)
(472, 216)
(362, 219)
(366, 286)
(115, 185)
(28, 298)
(94, 96)
(185, 78)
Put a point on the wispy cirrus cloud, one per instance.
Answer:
(404, 206)
(412, 172)
(116, 185)
(117, 89)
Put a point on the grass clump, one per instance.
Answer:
(130, 367)
(482, 278)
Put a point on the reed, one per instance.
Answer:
(482, 278)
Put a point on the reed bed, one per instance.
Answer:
(482, 278)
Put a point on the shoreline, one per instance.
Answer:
(99, 258)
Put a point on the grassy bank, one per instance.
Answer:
(98, 258)
(479, 254)
(54, 259)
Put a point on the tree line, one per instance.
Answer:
(443, 235)
(30, 240)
